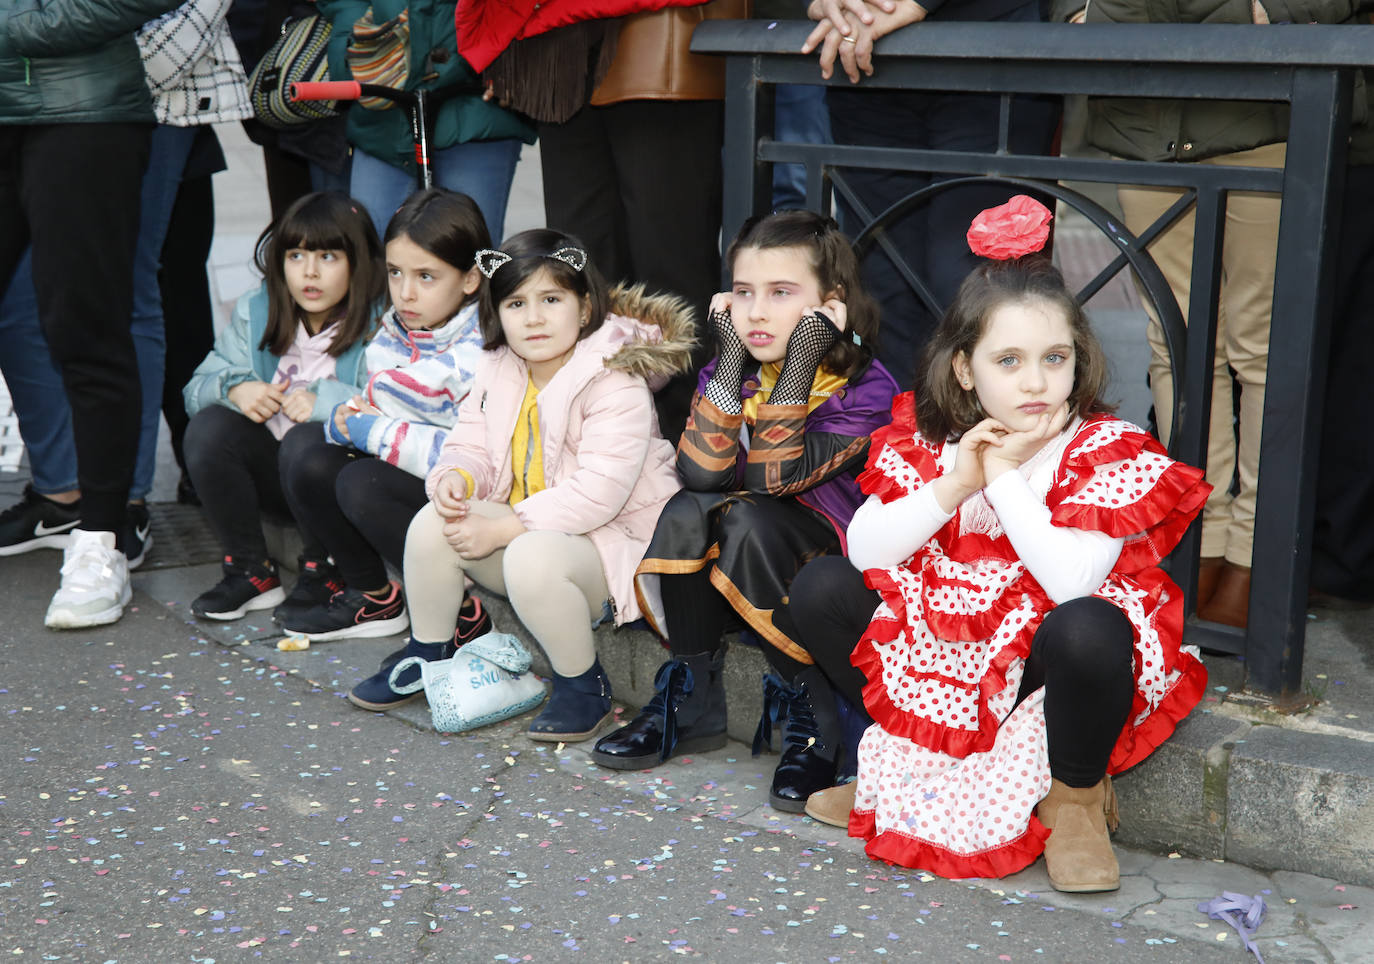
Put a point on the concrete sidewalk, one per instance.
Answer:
(184, 792)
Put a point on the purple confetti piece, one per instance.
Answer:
(1245, 914)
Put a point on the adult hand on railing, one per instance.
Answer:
(854, 45)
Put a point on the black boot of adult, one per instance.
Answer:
(812, 736)
(686, 715)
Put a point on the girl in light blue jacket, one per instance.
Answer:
(293, 351)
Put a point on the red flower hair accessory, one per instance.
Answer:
(1011, 230)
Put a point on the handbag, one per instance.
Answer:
(299, 54)
(486, 681)
(379, 53)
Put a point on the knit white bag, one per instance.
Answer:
(486, 681)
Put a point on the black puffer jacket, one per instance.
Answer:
(74, 61)
(1179, 130)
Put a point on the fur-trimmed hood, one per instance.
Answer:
(651, 336)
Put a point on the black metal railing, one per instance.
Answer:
(1310, 67)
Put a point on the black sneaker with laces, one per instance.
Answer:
(138, 534)
(352, 613)
(244, 587)
(37, 522)
(316, 585)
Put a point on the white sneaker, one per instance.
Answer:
(95, 583)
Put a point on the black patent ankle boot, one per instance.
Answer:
(811, 737)
(686, 715)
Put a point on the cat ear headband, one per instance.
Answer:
(1012, 230)
(490, 261)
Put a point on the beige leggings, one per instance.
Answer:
(554, 582)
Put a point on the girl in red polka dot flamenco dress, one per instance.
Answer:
(1021, 641)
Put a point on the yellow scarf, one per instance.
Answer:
(527, 460)
(822, 388)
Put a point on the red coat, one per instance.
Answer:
(487, 27)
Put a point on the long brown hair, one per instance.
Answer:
(445, 223)
(836, 267)
(944, 410)
(325, 221)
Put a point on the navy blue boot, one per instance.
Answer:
(686, 715)
(812, 736)
(579, 706)
(375, 692)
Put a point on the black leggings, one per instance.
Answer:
(232, 461)
(1082, 654)
(355, 506)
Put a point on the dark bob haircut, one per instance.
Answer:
(326, 221)
(832, 259)
(531, 252)
(944, 410)
(447, 224)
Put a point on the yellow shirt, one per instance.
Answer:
(822, 388)
(527, 460)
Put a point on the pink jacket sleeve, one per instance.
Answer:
(466, 447)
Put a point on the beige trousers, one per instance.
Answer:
(1247, 294)
(554, 582)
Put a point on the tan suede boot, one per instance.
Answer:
(832, 805)
(1079, 853)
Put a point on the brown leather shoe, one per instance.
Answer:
(1230, 604)
(1208, 575)
(832, 805)
(1078, 854)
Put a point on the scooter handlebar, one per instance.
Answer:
(326, 90)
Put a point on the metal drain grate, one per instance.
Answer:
(181, 537)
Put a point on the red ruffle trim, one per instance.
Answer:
(922, 730)
(1152, 526)
(1136, 743)
(897, 848)
(900, 436)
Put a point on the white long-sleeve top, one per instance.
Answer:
(1067, 562)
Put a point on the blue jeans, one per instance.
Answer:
(35, 384)
(162, 179)
(483, 170)
(799, 115)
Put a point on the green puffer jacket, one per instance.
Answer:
(385, 134)
(1179, 130)
(74, 61)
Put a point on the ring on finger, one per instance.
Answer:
(849, 40)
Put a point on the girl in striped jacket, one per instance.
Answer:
(354, 488)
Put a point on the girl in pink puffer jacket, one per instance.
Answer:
(550, 485)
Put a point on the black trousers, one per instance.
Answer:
(1082, 654)
(232, 461)
(1343, 530)
(185, 285)
(356, 507)
(72, 192)
(640, 183)
(932, 237)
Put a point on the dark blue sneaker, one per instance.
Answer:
(375, 692)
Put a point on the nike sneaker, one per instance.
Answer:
(138, 534)
(351, 612)
(37, 522)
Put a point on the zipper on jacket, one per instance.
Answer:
(28, 77)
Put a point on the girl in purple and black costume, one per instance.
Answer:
(776, 435)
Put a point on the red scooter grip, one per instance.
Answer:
(326, 90)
